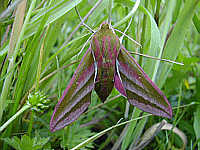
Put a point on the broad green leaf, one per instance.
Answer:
(26, 141)
(176, 39)
(197, 124)
(196, 22)
(155, 44)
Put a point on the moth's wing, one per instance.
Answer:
(76, 98)
(138, 87)
(118, 83)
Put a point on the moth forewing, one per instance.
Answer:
(141, 91)
(76, 98)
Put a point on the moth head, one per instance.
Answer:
(105, 30)
(104, 26)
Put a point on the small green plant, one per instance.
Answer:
(27, 142)
(37, 101)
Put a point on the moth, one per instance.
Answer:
(105, 65)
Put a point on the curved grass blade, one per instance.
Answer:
(140, 90)
(76, 98)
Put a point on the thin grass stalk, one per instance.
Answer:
(30, 126)
(39, 67)
(104, 131)
(110, 11)
(157, 14)
(175, 122)
(143, 33)
(37, 83)
(25, 107)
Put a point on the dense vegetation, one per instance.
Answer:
(39, 54)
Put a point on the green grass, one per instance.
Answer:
(36, 56)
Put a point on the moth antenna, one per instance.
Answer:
(83, 23)
(128, 37)
(78, 26)
(166, 60)
(121, 38)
